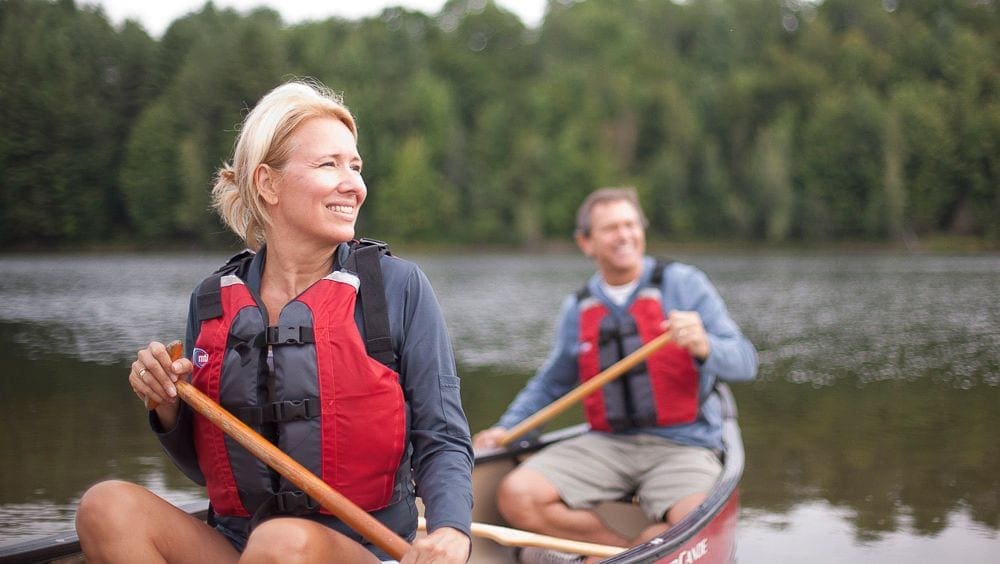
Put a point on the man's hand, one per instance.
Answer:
(688, 332)
(488, 438)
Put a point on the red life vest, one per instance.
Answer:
(661, 391)
(320, 397)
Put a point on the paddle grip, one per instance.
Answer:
(176, 350)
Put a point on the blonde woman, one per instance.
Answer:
(366, 397)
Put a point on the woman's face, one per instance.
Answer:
(316, 197)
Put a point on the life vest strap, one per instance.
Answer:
(284, 503)
(616, 332)
(364, 260)
(294, 503)
(279, 412)
(209, 297)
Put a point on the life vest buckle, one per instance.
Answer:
(616, 330)
(294, 503)
(294, 410)
(289, 335)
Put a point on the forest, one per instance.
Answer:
(778, 122)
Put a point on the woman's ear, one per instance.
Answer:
(265, 179)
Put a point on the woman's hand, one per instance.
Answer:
(152, 379)
(444, 546)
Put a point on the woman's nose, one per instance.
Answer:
(353, 182)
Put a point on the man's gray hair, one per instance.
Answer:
(601, 196)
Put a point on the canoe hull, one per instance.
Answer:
(707, 535)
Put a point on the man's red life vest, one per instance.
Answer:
(320, 397)
(661, 391)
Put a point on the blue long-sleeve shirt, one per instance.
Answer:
(438, 431)
(731, 358)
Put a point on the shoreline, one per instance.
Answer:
(927, 245)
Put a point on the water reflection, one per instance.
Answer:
(876, 408)
(893, 452)
(98, 308)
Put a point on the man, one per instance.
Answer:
(656, 431)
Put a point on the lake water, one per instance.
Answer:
(871, 433)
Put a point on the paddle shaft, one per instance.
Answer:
(583, 390)
(515, 537)
(331, 500)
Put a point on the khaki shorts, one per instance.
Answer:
(596, 467)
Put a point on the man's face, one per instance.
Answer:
(616, 242)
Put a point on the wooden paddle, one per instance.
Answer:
(517, 537)
(583, 390)
(331, 500)
(336, 503)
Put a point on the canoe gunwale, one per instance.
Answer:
(52, 548)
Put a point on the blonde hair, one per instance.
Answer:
(264, 138)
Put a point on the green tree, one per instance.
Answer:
(928, 153)
(765, 119)
(771, 171)
(150, 175)
(413, 203)
(229, 62)
(840, 164)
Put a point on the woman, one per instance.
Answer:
(276, 337)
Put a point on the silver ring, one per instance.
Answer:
(141, 372)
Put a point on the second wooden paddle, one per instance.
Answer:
(583, 390)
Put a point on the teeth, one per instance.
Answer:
(341, 209)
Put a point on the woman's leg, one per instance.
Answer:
(123, 522)
(288, 539)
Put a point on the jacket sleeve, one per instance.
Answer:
(439, 432)
(732, 357)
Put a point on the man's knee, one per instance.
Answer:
(522, 493)
(685, 505)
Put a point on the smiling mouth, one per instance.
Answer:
(342, 209)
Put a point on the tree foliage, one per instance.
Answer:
(770, 120)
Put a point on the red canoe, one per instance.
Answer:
(705, 536)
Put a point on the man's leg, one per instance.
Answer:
(676, 512)
(675, 485)
(527, 500)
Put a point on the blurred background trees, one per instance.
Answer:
(778, 121)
